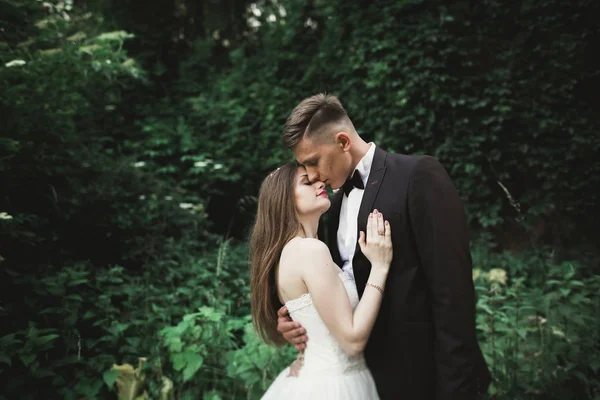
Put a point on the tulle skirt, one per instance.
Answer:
(357, 385)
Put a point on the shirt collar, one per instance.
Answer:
(364, 165)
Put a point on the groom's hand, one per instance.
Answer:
(291, 331)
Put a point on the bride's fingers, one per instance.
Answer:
(388, 232)
(373, 232)
(380, 225)
(283, 313)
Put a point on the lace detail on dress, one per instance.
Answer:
(306, 299)
(296, 366)
(303, 301)
(349, 364)
(356, 365)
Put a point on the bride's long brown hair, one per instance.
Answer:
(276, 224)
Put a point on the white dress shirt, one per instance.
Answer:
(346, 234)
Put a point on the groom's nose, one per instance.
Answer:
(313, 176)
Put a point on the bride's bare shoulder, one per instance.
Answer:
(304, 245)
(303, 249)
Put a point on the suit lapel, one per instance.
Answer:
(366, 206)
(334, 222)
(372, 188)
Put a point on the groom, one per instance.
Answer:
(423, 345)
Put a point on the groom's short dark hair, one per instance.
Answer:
(312, 117)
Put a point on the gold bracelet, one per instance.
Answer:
(376, 287)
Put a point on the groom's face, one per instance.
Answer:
(324, 160)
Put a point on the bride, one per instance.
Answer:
(290, 266)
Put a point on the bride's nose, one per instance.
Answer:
(320, 185)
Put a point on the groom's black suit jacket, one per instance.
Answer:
(423, 345)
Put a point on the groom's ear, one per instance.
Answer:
(343, 140)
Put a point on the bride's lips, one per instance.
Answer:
(323, 193)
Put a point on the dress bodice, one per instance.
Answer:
(323, 354)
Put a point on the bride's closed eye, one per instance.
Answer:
(305, 181)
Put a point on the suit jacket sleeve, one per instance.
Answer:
(439, 224)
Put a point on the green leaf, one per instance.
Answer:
(44, 373)
(77, 282)
(9, 340)
(194, 363)
(485, 308)
(51, 310)
(75, 297)
(9, 145)
(212, 395)
(110, 377)
(45, 339)
(27, 359)
(134, 341)
(210, 314)
(179, 361)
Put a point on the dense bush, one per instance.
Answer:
(85, 227)
(501, 95)
(86, 321)
(539, 333)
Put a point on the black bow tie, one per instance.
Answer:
(354, 182)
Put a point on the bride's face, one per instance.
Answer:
(310, 198)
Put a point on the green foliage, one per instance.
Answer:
(255, 365)
(539, 336)
(426, 78)
(112, 316)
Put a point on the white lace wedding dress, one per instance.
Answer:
(328, 372)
